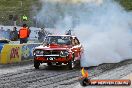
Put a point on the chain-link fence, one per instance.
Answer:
(11, 11)
(12, 18)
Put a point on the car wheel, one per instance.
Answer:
(78, 65)
(36, 64)
(58, 63)
(49, 64)
(71, 64)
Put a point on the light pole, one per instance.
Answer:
(21, 10)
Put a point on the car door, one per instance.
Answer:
(77, 48)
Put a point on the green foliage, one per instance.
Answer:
(15, 7)
(21, 7)
(127, 4)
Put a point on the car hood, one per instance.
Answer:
(54, 47)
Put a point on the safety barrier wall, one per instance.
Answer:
(12, 53)
(27, 51)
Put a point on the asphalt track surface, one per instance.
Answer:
(24, 75)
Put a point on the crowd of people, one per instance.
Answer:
(23, 33)
(15, 35)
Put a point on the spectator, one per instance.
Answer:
(29, 31)
(41, 35)
(1, 31)
(14, 34)
(69, 32)
(8, 34)
(24, 34)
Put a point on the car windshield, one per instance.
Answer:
(58, 40)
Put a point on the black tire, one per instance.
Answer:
(85, 82)
(58, 63)
(78, 65)
(71, 64)
(36, 64)
(49, 64)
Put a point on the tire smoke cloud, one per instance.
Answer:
(104, 28)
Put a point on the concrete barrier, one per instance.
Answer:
(1, 47)
(27, 51)
(12, 53)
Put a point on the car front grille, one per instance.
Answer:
(51, 52)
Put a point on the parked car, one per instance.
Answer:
(2, 42)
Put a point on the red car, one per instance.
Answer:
(58, 50)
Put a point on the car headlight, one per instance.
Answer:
(64, 53)
(34, 53)
(41, 52)
(38, 52)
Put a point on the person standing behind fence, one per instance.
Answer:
(41, 35)
(8, 34)
(69, 32)
(24, 34)
(14, 34)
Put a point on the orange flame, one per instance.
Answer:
(84, 73)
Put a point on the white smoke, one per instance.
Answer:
(106, 35)
(103, 29)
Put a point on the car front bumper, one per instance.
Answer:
(46, 59)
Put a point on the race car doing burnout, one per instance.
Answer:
(58, 50)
